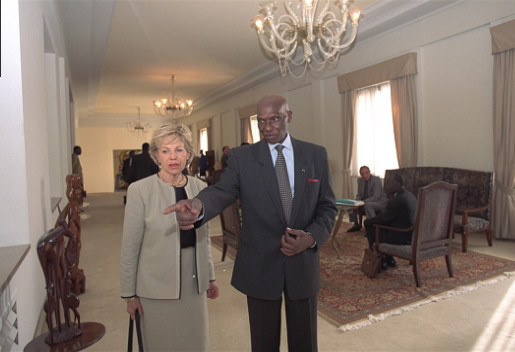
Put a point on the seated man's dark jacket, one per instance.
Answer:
(399, 212)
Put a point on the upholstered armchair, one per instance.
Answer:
(432, 231)
(474, 210)
(474, 200)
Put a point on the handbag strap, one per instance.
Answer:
(138, 333)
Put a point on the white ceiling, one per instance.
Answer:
(122, 52)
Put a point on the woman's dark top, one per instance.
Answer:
(188, 237)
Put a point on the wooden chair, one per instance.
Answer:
(432, 231)
(231, 226)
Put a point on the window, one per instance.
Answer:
(254, 129)
(203, 140)
(375, 143)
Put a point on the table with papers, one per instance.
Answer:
(344, 206)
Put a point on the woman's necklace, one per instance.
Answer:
(178, 184)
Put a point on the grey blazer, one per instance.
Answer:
(151, 251)
(375, 190)
(260, 268)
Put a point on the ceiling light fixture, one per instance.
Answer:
(310, 27)
(138, 127)
(172, 105)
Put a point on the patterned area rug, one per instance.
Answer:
(350, 299)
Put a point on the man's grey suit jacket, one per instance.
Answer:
(375, 190)
(261, 270)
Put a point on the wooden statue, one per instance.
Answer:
(69, 218)
(51, 255)
(59, 251)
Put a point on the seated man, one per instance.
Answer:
(370, 191)
(399, 212)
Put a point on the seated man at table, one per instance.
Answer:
(399, 212)
(370, 191)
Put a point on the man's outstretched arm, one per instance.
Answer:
(187, 212)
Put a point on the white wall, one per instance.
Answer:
(454, 90)
(97, 145)
(33, 86)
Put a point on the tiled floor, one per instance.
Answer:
(480, 320)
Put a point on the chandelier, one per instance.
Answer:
(307, 35)
(173, 106)
(137, 126)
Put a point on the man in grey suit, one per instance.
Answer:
(370, 191)
(276, 256)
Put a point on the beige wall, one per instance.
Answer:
(454, 93)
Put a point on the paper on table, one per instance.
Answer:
(349, 202)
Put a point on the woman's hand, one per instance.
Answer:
(212, 291)
(134, 305)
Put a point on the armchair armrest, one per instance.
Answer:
(386, 227)
(466, 212)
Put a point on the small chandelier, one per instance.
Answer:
(310, 27)
(170, 105)
(138, 127)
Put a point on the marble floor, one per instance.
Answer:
(479, 320)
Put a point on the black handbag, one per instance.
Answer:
(371, 263)
(138, 333)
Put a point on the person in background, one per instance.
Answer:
(202, 164)
(143, 165)
(193, 167)
(167, 273)
(127, 171)
(370, 191)
(77, 167)
(399, 212)
(278, 253)
(127, 168)
(225, 156)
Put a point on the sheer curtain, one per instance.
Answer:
(348, 140)
(503, 48)
(375, 143)
(245, 115)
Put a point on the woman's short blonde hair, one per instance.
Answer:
(178, 132)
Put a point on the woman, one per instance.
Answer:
(167, 273)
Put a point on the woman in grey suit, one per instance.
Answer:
(167, 273)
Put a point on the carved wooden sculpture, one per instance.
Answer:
(59, 252)
(69, 218)
(51, 255)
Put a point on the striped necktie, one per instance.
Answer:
(284, 183)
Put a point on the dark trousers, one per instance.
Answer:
(265, 324)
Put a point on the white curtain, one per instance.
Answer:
(374, 130)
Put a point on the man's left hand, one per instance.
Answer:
(295, 241)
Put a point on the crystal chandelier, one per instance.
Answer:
(173, 106)
(138, 127)
(308, 35)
